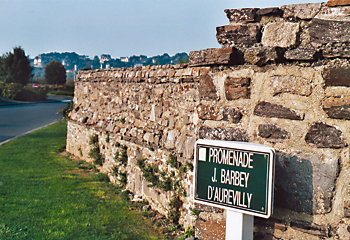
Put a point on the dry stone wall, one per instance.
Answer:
(282, 79)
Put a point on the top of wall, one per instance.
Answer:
(300, 32)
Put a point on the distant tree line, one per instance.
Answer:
(73, 61)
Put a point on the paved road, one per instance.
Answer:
(18, 119)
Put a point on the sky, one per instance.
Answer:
(117, 27)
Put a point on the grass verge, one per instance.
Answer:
(44, 195)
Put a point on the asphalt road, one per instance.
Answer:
(16, 120)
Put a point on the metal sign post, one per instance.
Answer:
(238, 177)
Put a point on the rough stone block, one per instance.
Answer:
(269, 11)
(334, 3)
(236, 88)
(171, 138)
(261, 55)
(301, 11)
(247, 35)
(339, 76)
(212, 112)
(290, 84)
(210, 229)
(326, 31)
(272, 132)
(330, 13)
(266, 109)
(301, 54)
(337, 107)
(324, 136)
(215, 56)
(304, 182)
(228, 134)
(207, 89)
(242, 15)
(189, 147)
(280, 34)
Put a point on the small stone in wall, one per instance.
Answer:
(215, 56)
(228, 134)
(324, 136)
(290, 84)
(269, 11)
(337, 107)
(171, 138)
(328, 31)
(210, 229)
(301, 54)
(337, 76)
(272, 132)
(242, 15)
(280, 34)
(207, 89)
(236, 88)
(212, 112)
(266, 109)
(301, 11)
(261, 55)
(231, 35)
(334, 3)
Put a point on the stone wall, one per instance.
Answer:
(281, 79)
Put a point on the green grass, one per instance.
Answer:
(44, 195)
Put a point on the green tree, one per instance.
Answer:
(15, 67)
(55, 73)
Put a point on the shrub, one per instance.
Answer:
(16, 91)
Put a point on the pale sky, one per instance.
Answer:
(117, 27)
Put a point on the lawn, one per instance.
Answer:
(44, 195)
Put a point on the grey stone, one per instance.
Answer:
(215, 56)
(337, 76)
(301, 11)
(324, 31)
(304, 183)
(337, 107)
(261, 55)
(269, 11)
(272, 132)
(266, 109)
(228, 134)
(242, 15)
(280, 34)
(301, 54)
(324, 136)
(247, 35)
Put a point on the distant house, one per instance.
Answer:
(37, 62)
(104, 58)
(124, 59)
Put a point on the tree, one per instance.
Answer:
(16, 67)
(55, 73)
